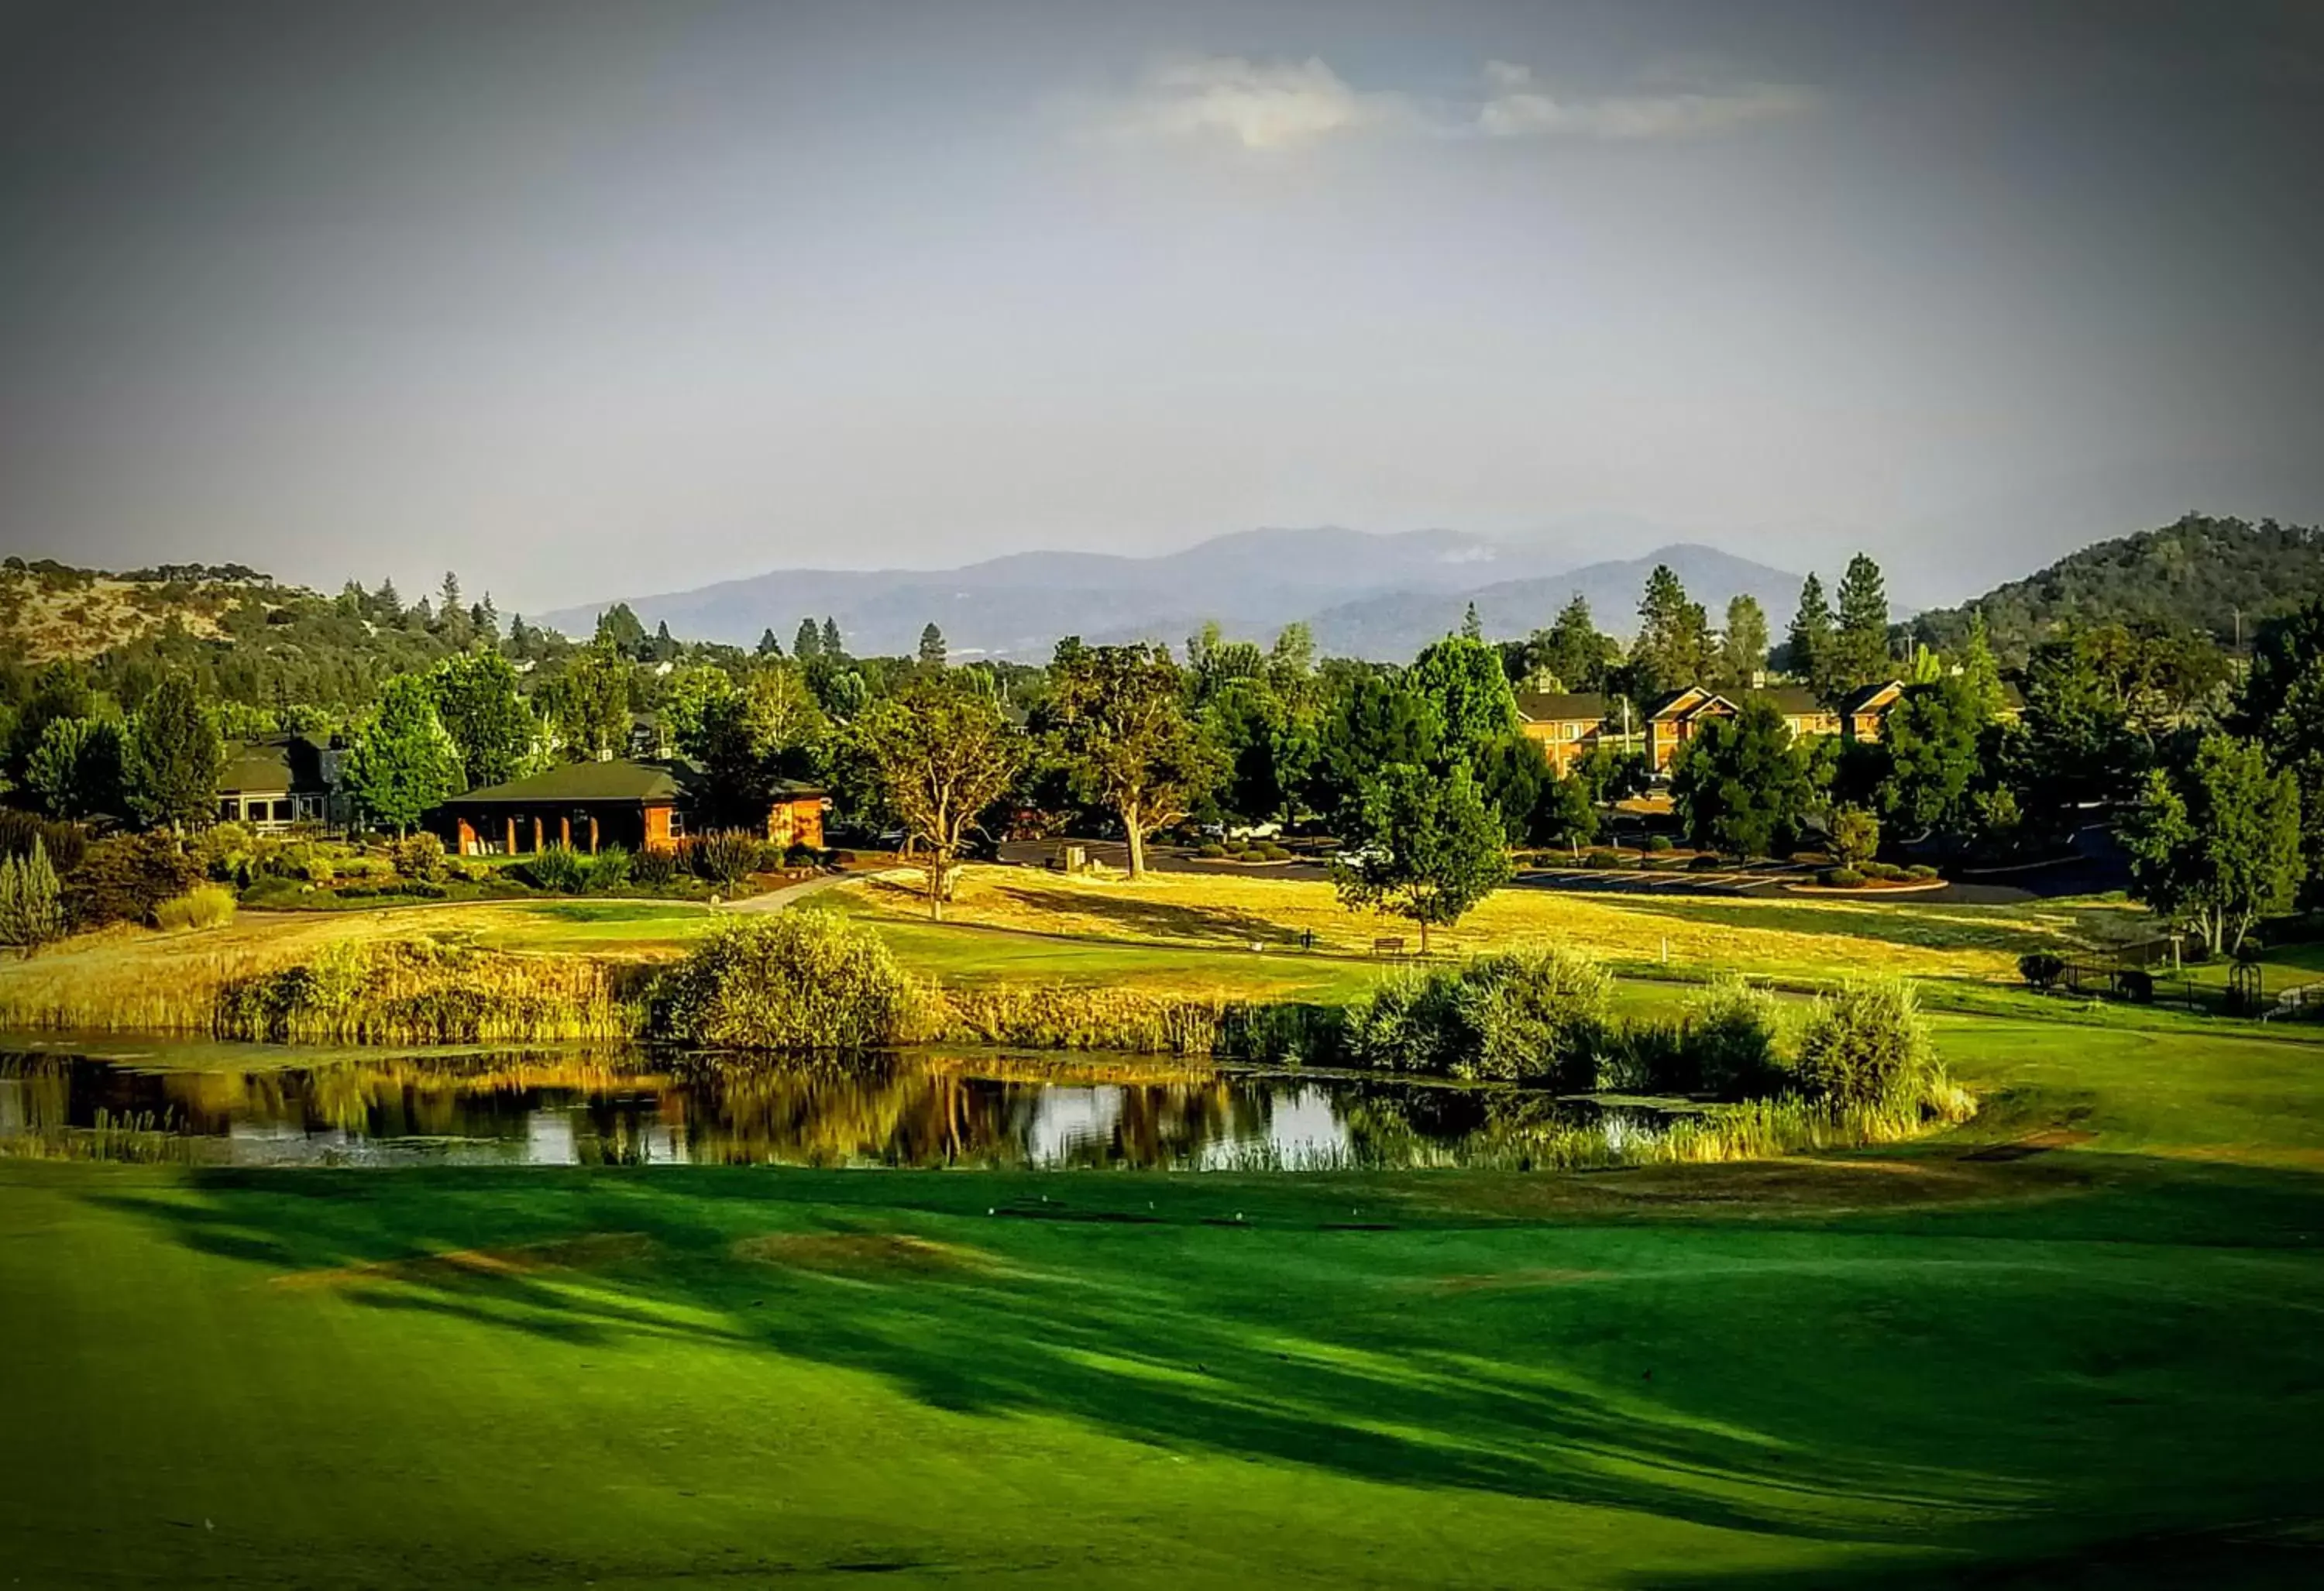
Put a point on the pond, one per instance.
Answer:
(268, 1106)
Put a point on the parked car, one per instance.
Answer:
(1254, 830)
(1358, 856)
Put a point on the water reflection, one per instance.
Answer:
(908, 1110)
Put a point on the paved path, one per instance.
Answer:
(790, 895)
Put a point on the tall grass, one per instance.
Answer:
(204, 905)
(420, 991)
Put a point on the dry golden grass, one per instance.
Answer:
(1816, 941)
(80, 622)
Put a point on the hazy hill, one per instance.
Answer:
(2210, 575)
(1368, 595)
(1397, 626)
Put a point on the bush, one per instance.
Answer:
(726, 857)
(1840, 879)
(1705, 863)
(1887, 872)
(1603, 859)
(310, 864)
(654, 869)
(31, 910)
(467, 870)
(2042, 970)
(66, 843)
(800, 980)
(1274, 852)
(1730, 1039)
(1644, 1057)
(1211, 848)
(802, 855)
(610, 869)
(1519, 1016)
(204, 905)
(420, 856)
(1867, 1046)
(2136, 985)
(366, 866)
(1921, 872)
(1658, 842)
(123, 879)
(557, 868)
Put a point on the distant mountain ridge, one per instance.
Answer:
(1379, 596)
(2211, 575)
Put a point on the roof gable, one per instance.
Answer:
(618, 780)
(1562, 707)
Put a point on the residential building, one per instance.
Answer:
(1680, 717)
(274, 783)
(639, 805)
(1567, 725)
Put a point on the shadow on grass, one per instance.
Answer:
(1927, 1377)
(1144, 918)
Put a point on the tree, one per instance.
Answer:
(1859, 646)
(806, 646)
(932, 647)
(1855, 836)
(403, 764)
(1932, 737)
(1807, 645)
(1673, 649)
(828, 643)
(2216, 843)
(1430, 848)
(2295, 743)
(31, 911)
(688, 701)
(940, 755)
(1980, 670)
(477, 702)
(769, 729)
(1743, 648)
(1566, 814)
(768, 647)
(75, 771)
(1740, 784)
(1375, 720)
(1570, 651)
(621, 629)
(1463, 680)
(171, 760)
(1117, 715)
(588, 704)
(2079, 748)
(1514, 774)
(1472, 628)
(1246, 722)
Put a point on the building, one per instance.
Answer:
(587, 805)
(1679, 716)
(1567, 725)
(1865, 709)
(282, 780)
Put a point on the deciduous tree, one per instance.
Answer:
(477, 702)
(940, 755)
(403, 764)
(170, 760)
(1430, 848)
(2216, 843)
(1118, 716)
(1740, 784)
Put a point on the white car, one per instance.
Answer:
(1357, 856)
(1254, 830)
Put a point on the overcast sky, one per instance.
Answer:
(581, 298)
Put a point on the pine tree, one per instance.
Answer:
(932, 647)
(1743, 650)
(1980, 669)
(1472, 627)
(1673, 645)
(830, 642)
(1807, 645)
(807, 644)
(769, 647)
(1861, 642)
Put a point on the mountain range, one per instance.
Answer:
(1380, 596)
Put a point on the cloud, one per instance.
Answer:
(1514, 106)
(1259, 105)
(1274, 105)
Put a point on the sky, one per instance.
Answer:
(587, 299)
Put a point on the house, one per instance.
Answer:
(1680, 715)
(1566, 725)
(274, 782)
(639, 805)
(1865, 709)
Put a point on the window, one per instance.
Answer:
(283, 810)
(229, 809)
(677, 824)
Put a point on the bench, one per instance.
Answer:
(1387, 947)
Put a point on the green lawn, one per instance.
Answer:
(2087, 1326)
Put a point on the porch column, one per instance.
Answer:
(565, 828)
(536, 833)
(593, 834)
(511, 836)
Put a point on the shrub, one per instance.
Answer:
(31, 911)
(204, 905)
(1887, 872)
(1658, 842)
(2136, 985)
(609, 869)
(802, 855)
(1729, 1040)
(1210, 849)
(66, 843)
(1603, 859)
(365, 866)
(2042, 970)
(557, 868)
(1705, 863)
(420, 856)
(466, 870)
(1840, 879)
(1274, 852)
(1531, 1016)
(1644, 1057)
(310, 864)
(726, 857)
(1855, 837)
(1921, 872)
(1868, 1047)
(802, 979)
(654, 869)
(123, 879)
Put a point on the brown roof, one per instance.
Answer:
(620, 779)
(1562, 707)
(280, 762)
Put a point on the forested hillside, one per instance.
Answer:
(2213, 575)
